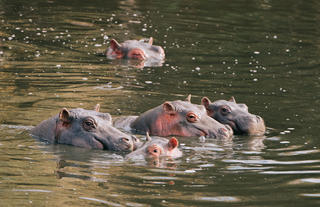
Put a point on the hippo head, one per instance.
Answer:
(235, 115)
(85, 128)
(180, 118)
(135, 49)
(157, 147)
(91, 129)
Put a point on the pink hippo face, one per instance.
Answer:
(157, 147)
(141, 50)
(180, 118)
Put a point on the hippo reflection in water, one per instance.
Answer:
(84, 128)
(140, 50)
(235, 115)
(177, 118)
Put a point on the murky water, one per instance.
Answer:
(263, 52)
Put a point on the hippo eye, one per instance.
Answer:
(192, 117)
(225, 110)
(89, 124)
(154, 150)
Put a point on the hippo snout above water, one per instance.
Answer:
(84, 128)
(135, 49)
(235, 115)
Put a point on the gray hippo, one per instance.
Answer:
(135, 49)
(235, 115)
(176, 118)
(84, 128)
(157, 147)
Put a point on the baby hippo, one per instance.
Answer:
(135, 49)
(84, 128)
(155, 148)
(235, 115)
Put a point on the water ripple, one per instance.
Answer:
(302, 152)
(219, 199)
(236, 168)
(311, 194)
(101, 201)
(272, 162)
(305, 181)
(294, 172)
(32, 190)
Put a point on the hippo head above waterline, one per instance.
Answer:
(135, 49)
(157, 147)
(235, 115)
(180, 118)
(84, 128)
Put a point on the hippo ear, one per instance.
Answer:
(232, 99)
(114, 44)
(188, 98)
(106, 116)
(64, 115)
(97, 108)
(148, 138)
(150, 42)
(205, 101)
(173, 143)
(168, 107)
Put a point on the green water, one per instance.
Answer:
(264, 53)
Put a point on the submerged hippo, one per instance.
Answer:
(177, 118)
(235, 115)
(156, 147)
(135, 49)
(84, 128)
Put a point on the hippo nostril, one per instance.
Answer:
(226, 132)
(259, 118)
(229, 128)
(125, 140)
(134, 138)
(224, 129)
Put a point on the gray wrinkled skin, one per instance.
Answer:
(73, 128)
(235, 115)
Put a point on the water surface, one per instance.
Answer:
(264, 53)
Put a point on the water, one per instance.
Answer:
(265, 53)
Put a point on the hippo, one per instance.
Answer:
(155, 148)
(135, 49)
(176, 118)
(84, 128)
(235, 115)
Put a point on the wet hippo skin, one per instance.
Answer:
(235, 115)
(135, 49)
(84, 128)
(157, 147)
(176, 118)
